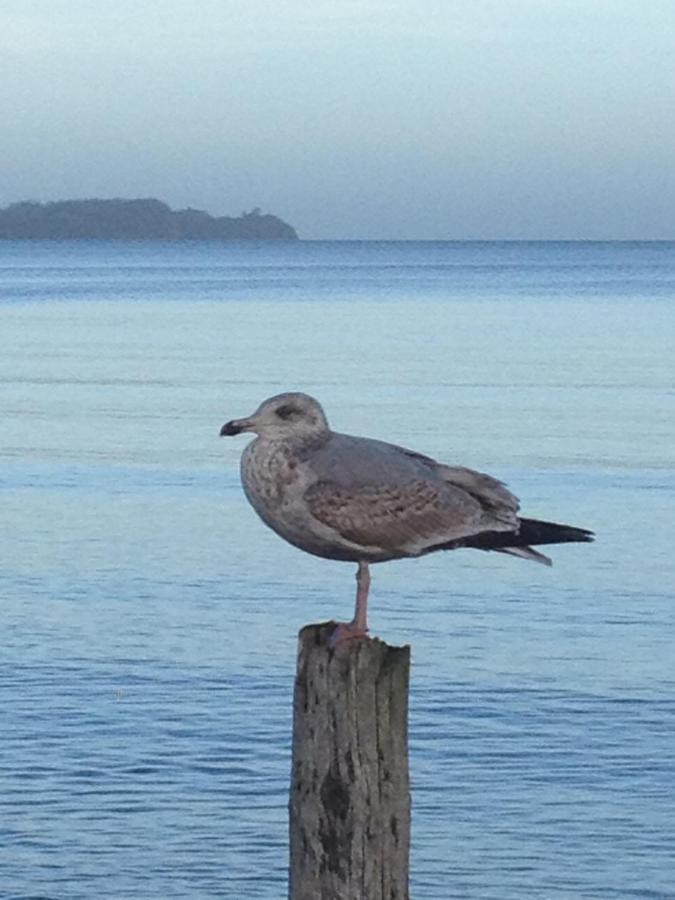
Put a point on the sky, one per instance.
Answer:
(351, 119)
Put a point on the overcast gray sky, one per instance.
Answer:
(351, 118)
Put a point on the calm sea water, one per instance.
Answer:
(149, 619)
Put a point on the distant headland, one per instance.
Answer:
(134, 220)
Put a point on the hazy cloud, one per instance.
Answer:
(362, 118)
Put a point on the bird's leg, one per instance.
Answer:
(358, 627)
(360, 620)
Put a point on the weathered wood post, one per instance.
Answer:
(350, 794)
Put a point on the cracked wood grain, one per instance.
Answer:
(349, 805)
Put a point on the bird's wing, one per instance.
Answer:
(401, 518)
(496, 500)
(377, 494)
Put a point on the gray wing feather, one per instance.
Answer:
(378, 494)
(355, 461)
(492, 494)
(403, 519)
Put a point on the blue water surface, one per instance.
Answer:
(149, 619)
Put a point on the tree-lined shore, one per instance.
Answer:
(143, 219)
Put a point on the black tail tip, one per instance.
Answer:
(534, 531)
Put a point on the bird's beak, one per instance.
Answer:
(236, 426)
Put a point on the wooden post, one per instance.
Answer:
(350, 792)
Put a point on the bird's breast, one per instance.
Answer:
(271, 478)
(275, 479)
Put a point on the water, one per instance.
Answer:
(149, 619)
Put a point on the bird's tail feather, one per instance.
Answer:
(526, 553)
(534, 531)
(517, 543)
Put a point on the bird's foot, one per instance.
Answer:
(346, 631)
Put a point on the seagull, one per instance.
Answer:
(367, 501)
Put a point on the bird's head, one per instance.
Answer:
(292, 415)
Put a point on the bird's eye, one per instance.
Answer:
(285, 412)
